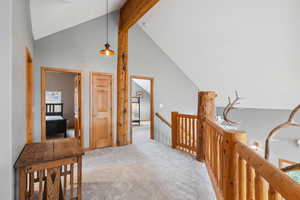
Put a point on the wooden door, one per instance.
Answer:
(101, 110)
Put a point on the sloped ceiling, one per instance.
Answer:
(249, 46)
(51, 16)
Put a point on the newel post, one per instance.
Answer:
(174, 129)
(233, 170)
(206, 109)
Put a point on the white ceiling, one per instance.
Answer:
(51, 16)
(249, 46)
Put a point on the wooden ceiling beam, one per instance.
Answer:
(130, 13)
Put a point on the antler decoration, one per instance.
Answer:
(288, 123)
(229, 107)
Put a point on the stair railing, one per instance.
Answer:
(236, 171)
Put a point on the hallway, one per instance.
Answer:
(144, 171)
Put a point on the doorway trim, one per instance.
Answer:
(91, 108)
(43, 104)
(151, 79)
(29, 96)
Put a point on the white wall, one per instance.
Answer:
(15, 35)
(250, 46)
(5, 101)
(22, 38)
(76, 48)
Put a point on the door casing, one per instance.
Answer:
(151, 104)
(43, 104)
(29, 97)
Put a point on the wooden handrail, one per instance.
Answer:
(227, 158)
(281, 182)
(163, 120)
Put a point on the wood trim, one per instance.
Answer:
(91, 110)
(151, 104)
(29, 96)
(43, 98)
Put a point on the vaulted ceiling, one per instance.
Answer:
(249, 46)
(51, 16)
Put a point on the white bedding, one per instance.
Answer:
(54, 117)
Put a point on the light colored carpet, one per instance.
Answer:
(146, 170)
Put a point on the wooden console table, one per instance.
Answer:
(47, 171)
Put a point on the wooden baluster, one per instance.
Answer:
(216, 154)
(40, 179)
(208, 144)
(218, 158)
(65, 181)
(72, 181)
(193, 136)
(221, 163)
(213, 136)
(174, 129)
(22, 185)
(53, 183)
(242, 179)
(273, 195)
(250, 183)
(185, 134)
(190, 134)
(180, 133)
(259, 190)
(31, 185)
(213, 148)
(79, 172)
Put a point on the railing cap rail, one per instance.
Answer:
(280, 181)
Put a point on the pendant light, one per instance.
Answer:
(107, 51)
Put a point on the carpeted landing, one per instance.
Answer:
(144, 171)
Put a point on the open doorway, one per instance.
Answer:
(61, 104)
(142, 109)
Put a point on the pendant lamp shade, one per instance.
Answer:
(107, 51)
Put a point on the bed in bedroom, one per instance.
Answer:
(55, 122)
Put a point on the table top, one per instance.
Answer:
(37, 153)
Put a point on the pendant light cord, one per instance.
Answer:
(107, 21)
